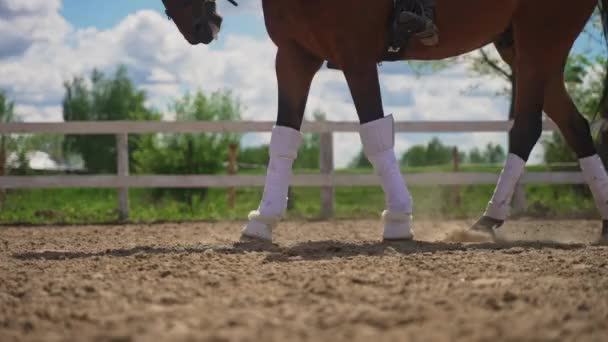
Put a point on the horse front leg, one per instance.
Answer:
(378, 138)
(295, 70)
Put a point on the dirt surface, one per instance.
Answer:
(320, 281)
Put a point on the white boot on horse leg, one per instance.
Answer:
(597, 179)
(499, 206)
(378, 138)
(283, 150)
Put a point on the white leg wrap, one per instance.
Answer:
(595, 175)
(500, 204)
(284, 146)
(378, 138)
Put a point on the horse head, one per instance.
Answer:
(197, 20)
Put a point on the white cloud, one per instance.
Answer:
(40, 113)
(25, 22)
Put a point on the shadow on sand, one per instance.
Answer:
(306, 251)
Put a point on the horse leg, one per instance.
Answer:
(527, 129)
(378, 138)
(295, 69)
(538, 63)
(575, 129)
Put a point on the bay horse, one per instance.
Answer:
(533, 37)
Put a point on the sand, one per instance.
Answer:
(320, 281)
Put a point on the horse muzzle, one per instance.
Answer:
(202, 33)
(205, 32)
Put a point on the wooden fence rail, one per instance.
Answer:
(327, 179)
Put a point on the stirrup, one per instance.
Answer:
(430, 36)
(421, 27)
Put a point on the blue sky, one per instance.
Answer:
(109, 13)
(104, 14)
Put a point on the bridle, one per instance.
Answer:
(186, 3)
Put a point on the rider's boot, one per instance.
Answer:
(283, 150)
(419, 21)
(378, 138)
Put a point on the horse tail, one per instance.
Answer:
(603, 104)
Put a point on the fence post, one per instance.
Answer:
(326, 162)
(122, 155)
(232, 168)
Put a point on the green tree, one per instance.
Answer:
(115, 98)
(310, 151)
(585, 87)
(253, 157)
(7, 141)
(415, 156)
(494, 154)
(438, 153)
(187, 154)
(360, 162)
(476, 156)
(434, 153)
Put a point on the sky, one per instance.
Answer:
(43, 43)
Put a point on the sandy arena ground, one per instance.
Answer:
(320, 281)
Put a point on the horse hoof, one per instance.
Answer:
(259, 227)
(605, 231)
(252, 239)
(487, 225)
(397, 226)
(256, 232)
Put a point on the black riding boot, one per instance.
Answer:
(417, 17)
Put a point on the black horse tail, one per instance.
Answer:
(603, 104)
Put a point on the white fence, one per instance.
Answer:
(326, 179)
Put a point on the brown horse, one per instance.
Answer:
(534, 37)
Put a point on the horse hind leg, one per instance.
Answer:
(577, 133)
(530, 82)
(295, 70)
(378, 138)
(540, 54)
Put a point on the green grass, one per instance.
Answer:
(69, 206)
